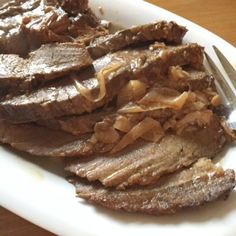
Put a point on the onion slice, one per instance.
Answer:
(122, 124)
(200, 118)
(138, 131)
(158, 98)
(177, 73)
(154, 134)
(101, 77)
(132, 91)
(105, 133)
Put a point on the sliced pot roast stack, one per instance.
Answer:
(63, 97)
(201, 183)
(134, 110)
(20, 75)
(146, 162)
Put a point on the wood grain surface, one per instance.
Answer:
(218, 16)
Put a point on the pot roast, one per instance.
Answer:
(63, 97)
(201, 183)
(134, 113)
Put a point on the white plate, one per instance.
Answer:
(35, 189)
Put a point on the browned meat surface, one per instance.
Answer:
(71, 6)
(168, 32)
(41, 141)
(77, 125)
(25, 25)
(193, 187)
(188, 79)
(64, 98)
(58, 99)
(46, 63)
(145, 163)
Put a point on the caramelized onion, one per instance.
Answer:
(177, 73)
(154, 134)
(200, 118)
(122, 124)
(101, 77)
(164, 54)
(132, 91)
(158, 98)
(213, 97)
(196, 101)
(200, 96)
(157, 45)
(197, 106)
(230, 132)
(216, 101)
(105, 133)
(138, 131)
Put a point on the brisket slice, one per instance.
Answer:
(78, 125)
(193, 187)
(26, 25)
(145, 163)
(72, 7)
(41, 141)
(63, 98)
(81, 124)
(192, 80)
(46, 63)
(12, 8)
(168, 32)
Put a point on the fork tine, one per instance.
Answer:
(231, 125)
(229, 69)
(229, 94)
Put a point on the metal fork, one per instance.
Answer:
(223, 85)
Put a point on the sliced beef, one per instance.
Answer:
(168, 32)
(41, 141)
(46, 63)
(64, 98)
(73, 7)
(77, 125)
(193, 187)
(83, 124)
(86, 26)
(25, 25)
(145, 163)
(188, 79)
(192, 80)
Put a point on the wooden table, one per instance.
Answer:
(218, 16)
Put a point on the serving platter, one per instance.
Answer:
(35, 188)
